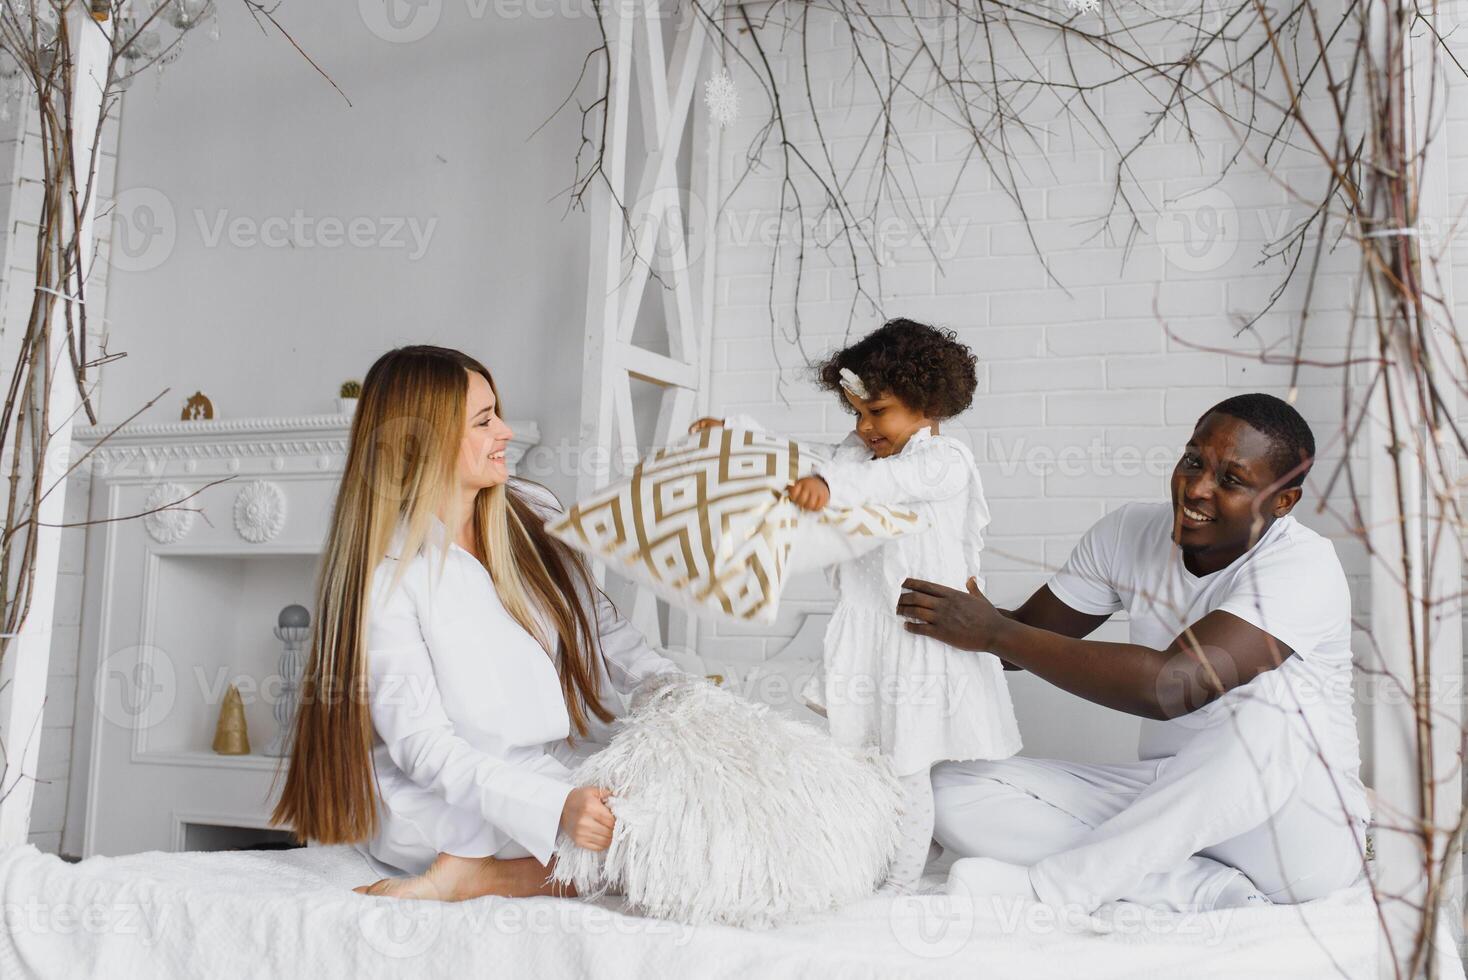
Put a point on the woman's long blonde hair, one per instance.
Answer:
(401, 468)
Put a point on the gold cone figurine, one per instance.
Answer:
(231, 736)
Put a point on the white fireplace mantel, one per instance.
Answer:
(223, 444)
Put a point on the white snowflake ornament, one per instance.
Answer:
(721, 98)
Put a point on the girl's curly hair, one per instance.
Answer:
(924, 367)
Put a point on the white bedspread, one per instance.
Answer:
(291, 913)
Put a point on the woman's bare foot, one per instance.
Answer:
(457, 879)
(449, 879)
(418, 886)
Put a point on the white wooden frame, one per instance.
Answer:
(26, 666)
(641, 231)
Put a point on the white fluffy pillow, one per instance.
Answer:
(728, 812)
(706, 523)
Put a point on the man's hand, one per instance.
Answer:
(810, 493)
(587, 819)
(705, 423)
(965, 620)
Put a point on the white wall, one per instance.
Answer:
(1093, 377)
(243, 130)
(438, 134)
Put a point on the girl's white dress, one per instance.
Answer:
(919, 700)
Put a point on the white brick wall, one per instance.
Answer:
(1089, 374)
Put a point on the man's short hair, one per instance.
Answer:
(1292, 444)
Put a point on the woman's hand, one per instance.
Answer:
(587, 820)
(810, 493)
(705, 423)
(966, 620)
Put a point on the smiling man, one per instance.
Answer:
(1239, 662)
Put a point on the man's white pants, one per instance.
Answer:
(1247, 792)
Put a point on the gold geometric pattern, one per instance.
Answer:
(707, 522)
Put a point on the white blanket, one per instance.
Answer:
(291, 913)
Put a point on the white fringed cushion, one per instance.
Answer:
(707, 525)
(728, 812)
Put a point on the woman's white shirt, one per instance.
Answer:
(467, 709)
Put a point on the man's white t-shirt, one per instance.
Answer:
(1290, 585)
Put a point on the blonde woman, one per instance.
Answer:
(457, 648)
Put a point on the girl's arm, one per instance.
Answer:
(937, 471)
(527, 801)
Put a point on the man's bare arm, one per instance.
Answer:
(1044, 610)
(1213, 656)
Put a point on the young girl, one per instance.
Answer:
(919, 700)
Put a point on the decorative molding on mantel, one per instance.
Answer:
(166, 524)
(259, 511)
(322, 436)
(215, 428)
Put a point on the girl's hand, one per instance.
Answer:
(587, 820)
(810, 493)
(705, 423)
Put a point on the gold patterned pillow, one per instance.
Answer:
(707, 523)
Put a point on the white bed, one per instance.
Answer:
(272, 914)
(281, 914)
